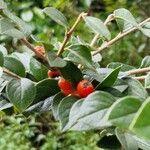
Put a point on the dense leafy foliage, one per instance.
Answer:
(118, 106)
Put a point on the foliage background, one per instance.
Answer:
(40, 131)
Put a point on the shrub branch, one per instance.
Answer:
(11, 73)
(109, 19)
(39, 55)
(118, 37)
(140, 78)
(69, 33)
(138, 71)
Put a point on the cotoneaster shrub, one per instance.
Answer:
(118, 103)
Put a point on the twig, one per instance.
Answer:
(118, 37)
(69, 33)
(39, 55)
(138, 71)
(140, 78)
(109, 19)
(11, 73)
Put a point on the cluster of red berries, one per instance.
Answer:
(83, 89)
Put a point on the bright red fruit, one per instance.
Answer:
(40, 49)
(84, 88)
(65, 86)
(53, 73)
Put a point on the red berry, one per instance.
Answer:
(53, 74)
(40, 49)
(65, 86)
(84, 88)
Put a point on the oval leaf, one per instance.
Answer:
(145, 62)
(80, 54)
(110, 79)
(135, 88)
(123, 110)
(98, 26)
(127, 140)
(15, 66)
(64, 109)
(55, 103)
(43, 106)
(55, 61)
(56, 15)
(23, 26)
(141, 122)
(125, 19)
(21, 93)
(3, 50)
(71, 72)
(91, 114)
(38, 70)
(46, 88)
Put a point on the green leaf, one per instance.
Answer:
(21, 93)
(147, 81)
(23, 26)
(38, 70)
(125, 19)
(141, 122)
(1, 59)
(98, 26)
(91, 114)
(143, 144)
(93, 75)
(14, 65)
(4, 105)
(55, 103)
(54, 60)
(3, 82)
(1, 71)
(3, 50)
(110, 79)
(64, 109)
(2, 5)
(127, 140)
(71, 72)
(114, 143)
(80, 54)
(120, 85)
(145, 62)
(46, 88)
(7, 28)
(146, 29)
(123, 110)
(14, 33)
(27, 15)
(56, 15)
(124, 67)
(135, 88)
(73, 116)
(43, 106)
(24, 58)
